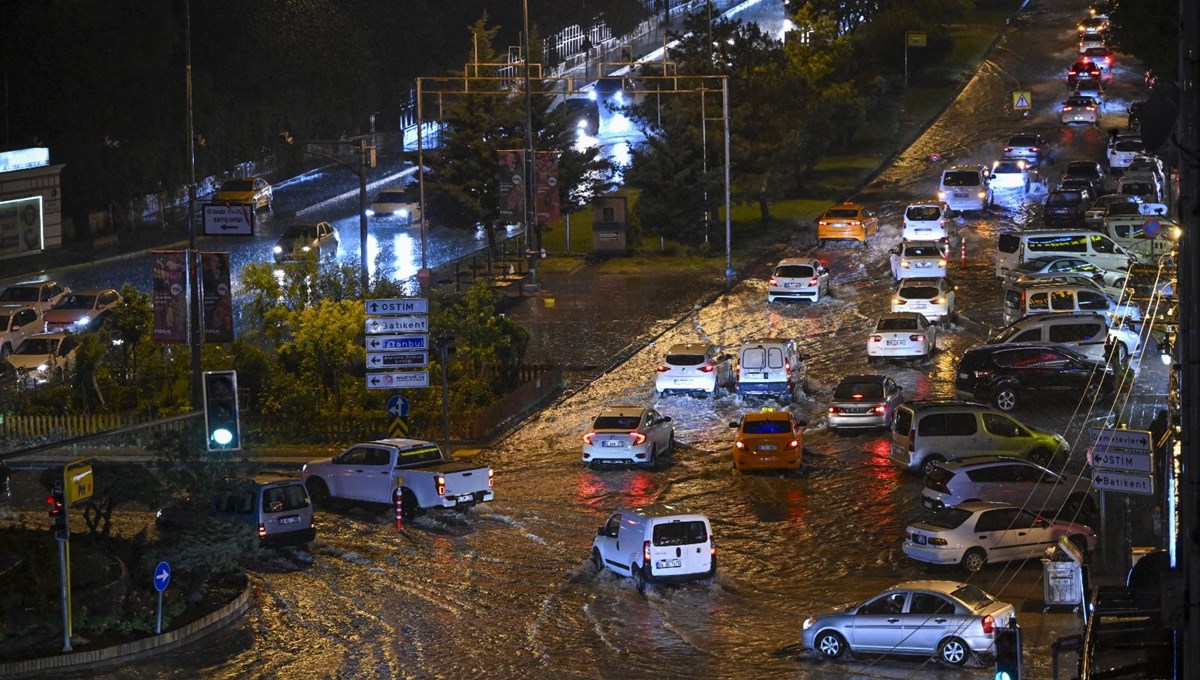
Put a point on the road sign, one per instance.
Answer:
(397, 380)
(229, 219)
(397, 324)
(1120, 461)
(77, 481)
(398, 428)
(162, 576)
(380, 360)
(1106, 480)
(394, 306)
(383, 343)
(1022, 100)
(397, 406)
(1151, 228)
(1108, 439)
(916, 38)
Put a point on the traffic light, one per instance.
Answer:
(58, 512)
(221, 426)
(1008, 652)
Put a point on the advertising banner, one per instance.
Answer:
(217, 296)
(548, 200)
(20, 226)
(512, 183)
(170, 296)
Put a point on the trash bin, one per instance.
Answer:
(1063, 582)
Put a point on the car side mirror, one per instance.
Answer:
(801, 423)
(666, 419)
(805, 357)
(733, 424)
(600, 531)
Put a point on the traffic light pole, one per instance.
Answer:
(62, 533)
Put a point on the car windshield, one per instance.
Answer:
(37, 347)
(76, 302)
(1064, 198)
(617, 423)
(949, 518)
(794, 271)
(237, 185)
(685, 359)
(390, 197)
(842, 212)
(859, 390)
(1082, 169)
(1123, 208)
(897, 323)
(300, 232)
(923, 213)
(918, 292)
(963, 178)
(1081, 101)
(1137, 188)
(1100, 52)
(20, 294)
(922, 251)
(770, 426)
(680, 533)
(972, 596)
(1129, 145)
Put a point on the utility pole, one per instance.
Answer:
(192, 258)
(530, 162)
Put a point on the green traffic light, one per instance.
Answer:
(1003, 675)
(222, 436)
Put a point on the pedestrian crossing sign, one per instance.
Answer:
(1022, 100)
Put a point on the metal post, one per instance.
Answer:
(568, 233)
(362, 215)
(193, 279)
(530, 160)
(729, 273)
(704, 135)
(65, 578)
(443, 345)
(424, 279)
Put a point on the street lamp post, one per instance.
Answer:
(530, 161)
(192, 259)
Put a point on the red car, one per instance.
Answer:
(1082, 69)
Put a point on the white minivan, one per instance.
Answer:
(658, 543)
(1022, 246)
(772, 366)
(929, 221)
(966, 188)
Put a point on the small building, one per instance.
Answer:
(30, 203)
(609, 225)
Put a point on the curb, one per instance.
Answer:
(77, 662)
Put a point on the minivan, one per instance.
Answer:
(1024, 297)
(1087, 333)
(277, 508)
(659, 543)
(928, 432)
(1099, 249)
(966, 187)
(929, 221)
(772, 366)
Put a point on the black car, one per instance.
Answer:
(1089, 170)
(1009, 374)
(1065, 206)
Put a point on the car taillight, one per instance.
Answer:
(712, 542)
(663, 368)
(941, 195)
(898, 301)
(491, 478)
(1007, 149)
(707, 368)
(942, 264)
(588, 437)
(1034, 150)
(989, 625)
(787, 365)
(982, 194)
(904, 264)
(918, 337)
(739, 444)
(793, 444)
(936, 485)
(833, 410)
(814, 281)
(880, 409)
(1091, 108)
(982, 373)
(772, 281)
(940, 300)
(440, 481)
(262, 530)
(646, 552)
(938, 541)
(638, 437)
(876, 338)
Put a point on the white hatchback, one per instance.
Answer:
(1011, 174)
(928, 221)
(921, 259)
(902, 335)
(933, 297)
(694, 368)
(796, 279)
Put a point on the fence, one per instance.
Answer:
(540, 382)
(67, 426)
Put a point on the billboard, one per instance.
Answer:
(548, 202)
(21, 226)
(512, 183)
(170, 296)
(217, 296)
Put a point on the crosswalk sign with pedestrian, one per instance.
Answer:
(1022, 100)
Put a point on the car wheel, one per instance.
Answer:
(652, 463)
(974, 560)
(1119, 283)
(954, 651)
(597, 561)
(671, 443)
(1041, 457)
(930, 463)
(1093, 390)
(318, 491)
(1005, 398)
(639, 578)
(1122, 353)
(830, 645)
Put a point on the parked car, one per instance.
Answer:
(1093, 217)
(43, 357)
(1150, 164)
(1064, 207)
(82, 310)
(1080, 109)
(1012, 373)
(976, 533)
(798, 279)
(949, 620)
(628, 435)
(318, 240)
(904, 335)
(253, 190)
(846, 221)
(694, 367)
(1010, 174)
(933, 297)
(864, 401)
(395, 203)
(1142, 186)
(1091, 171)
(1067, 265)
(656, 544)
(768, 440)
(1041, 295)
(929, 221)
(17, 322)
(921, 259)
(41, 294)
(1027, 146)
(1086, 333)
(1004, 479)
(928, 432)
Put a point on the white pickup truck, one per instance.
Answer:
(371, 471)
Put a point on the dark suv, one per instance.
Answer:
(1065, 206)
(1089, 170)
(1008, 374)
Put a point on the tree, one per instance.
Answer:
(114, 485)
(324, 343)
(1149, 32)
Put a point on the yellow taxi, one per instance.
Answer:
(768, 440)
(846, 221)
(253, 190)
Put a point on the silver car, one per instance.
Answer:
(628, 435)
(1004, 479)
(864, 401)
(950, 620)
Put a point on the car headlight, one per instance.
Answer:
(83, 321)
(983, 194)
(370, 212)
(403, 212)
(278, 249)
(42, 368)
(941, 195)
(305, 249)
(808, 623)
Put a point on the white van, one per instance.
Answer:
(1022, 246)
(1022, 298)
(966, 188)
(1129, 229)
(1088, 333)
(772, 366)
(656, 544)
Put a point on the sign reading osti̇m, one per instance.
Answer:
(1122, 460)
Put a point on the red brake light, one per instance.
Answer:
(772, 282)
(1007, 148)
(814, 281)
(588, 437)
(880, 409)
(917, 337)
(857, 397)
(1035, 149)
(440, 481)
(989, 625)
(834, 410)
(663, 368)
(876, 338)
(739, 444)
(787, 365)
(262, 530)
(646, 554)
(793, 444)
(707, 368)
(983, 373)
(491, 478)
(638, 437)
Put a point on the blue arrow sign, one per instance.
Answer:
(162, 576)
(380, 343)
(397, 406)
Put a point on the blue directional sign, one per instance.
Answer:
(162, 576)
(380, 343)
(397, 406)
(394, 306)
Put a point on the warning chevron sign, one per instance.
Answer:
(1022, 100)
(398, 428)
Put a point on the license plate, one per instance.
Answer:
(289, 520)
(767, 459)
(682, 381)
(765, 447)
(960, 194)
(923, 264)
(611, 442)
(464, 498)
(919, 539)
(791, 285)
(667, 564)
(918, 305)
(894, 343)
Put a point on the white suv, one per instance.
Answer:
(694, 367)
(1007, 479)
(929, 221)
(16, 323)
(795, 279)
(933, 297)
(1088, 333)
